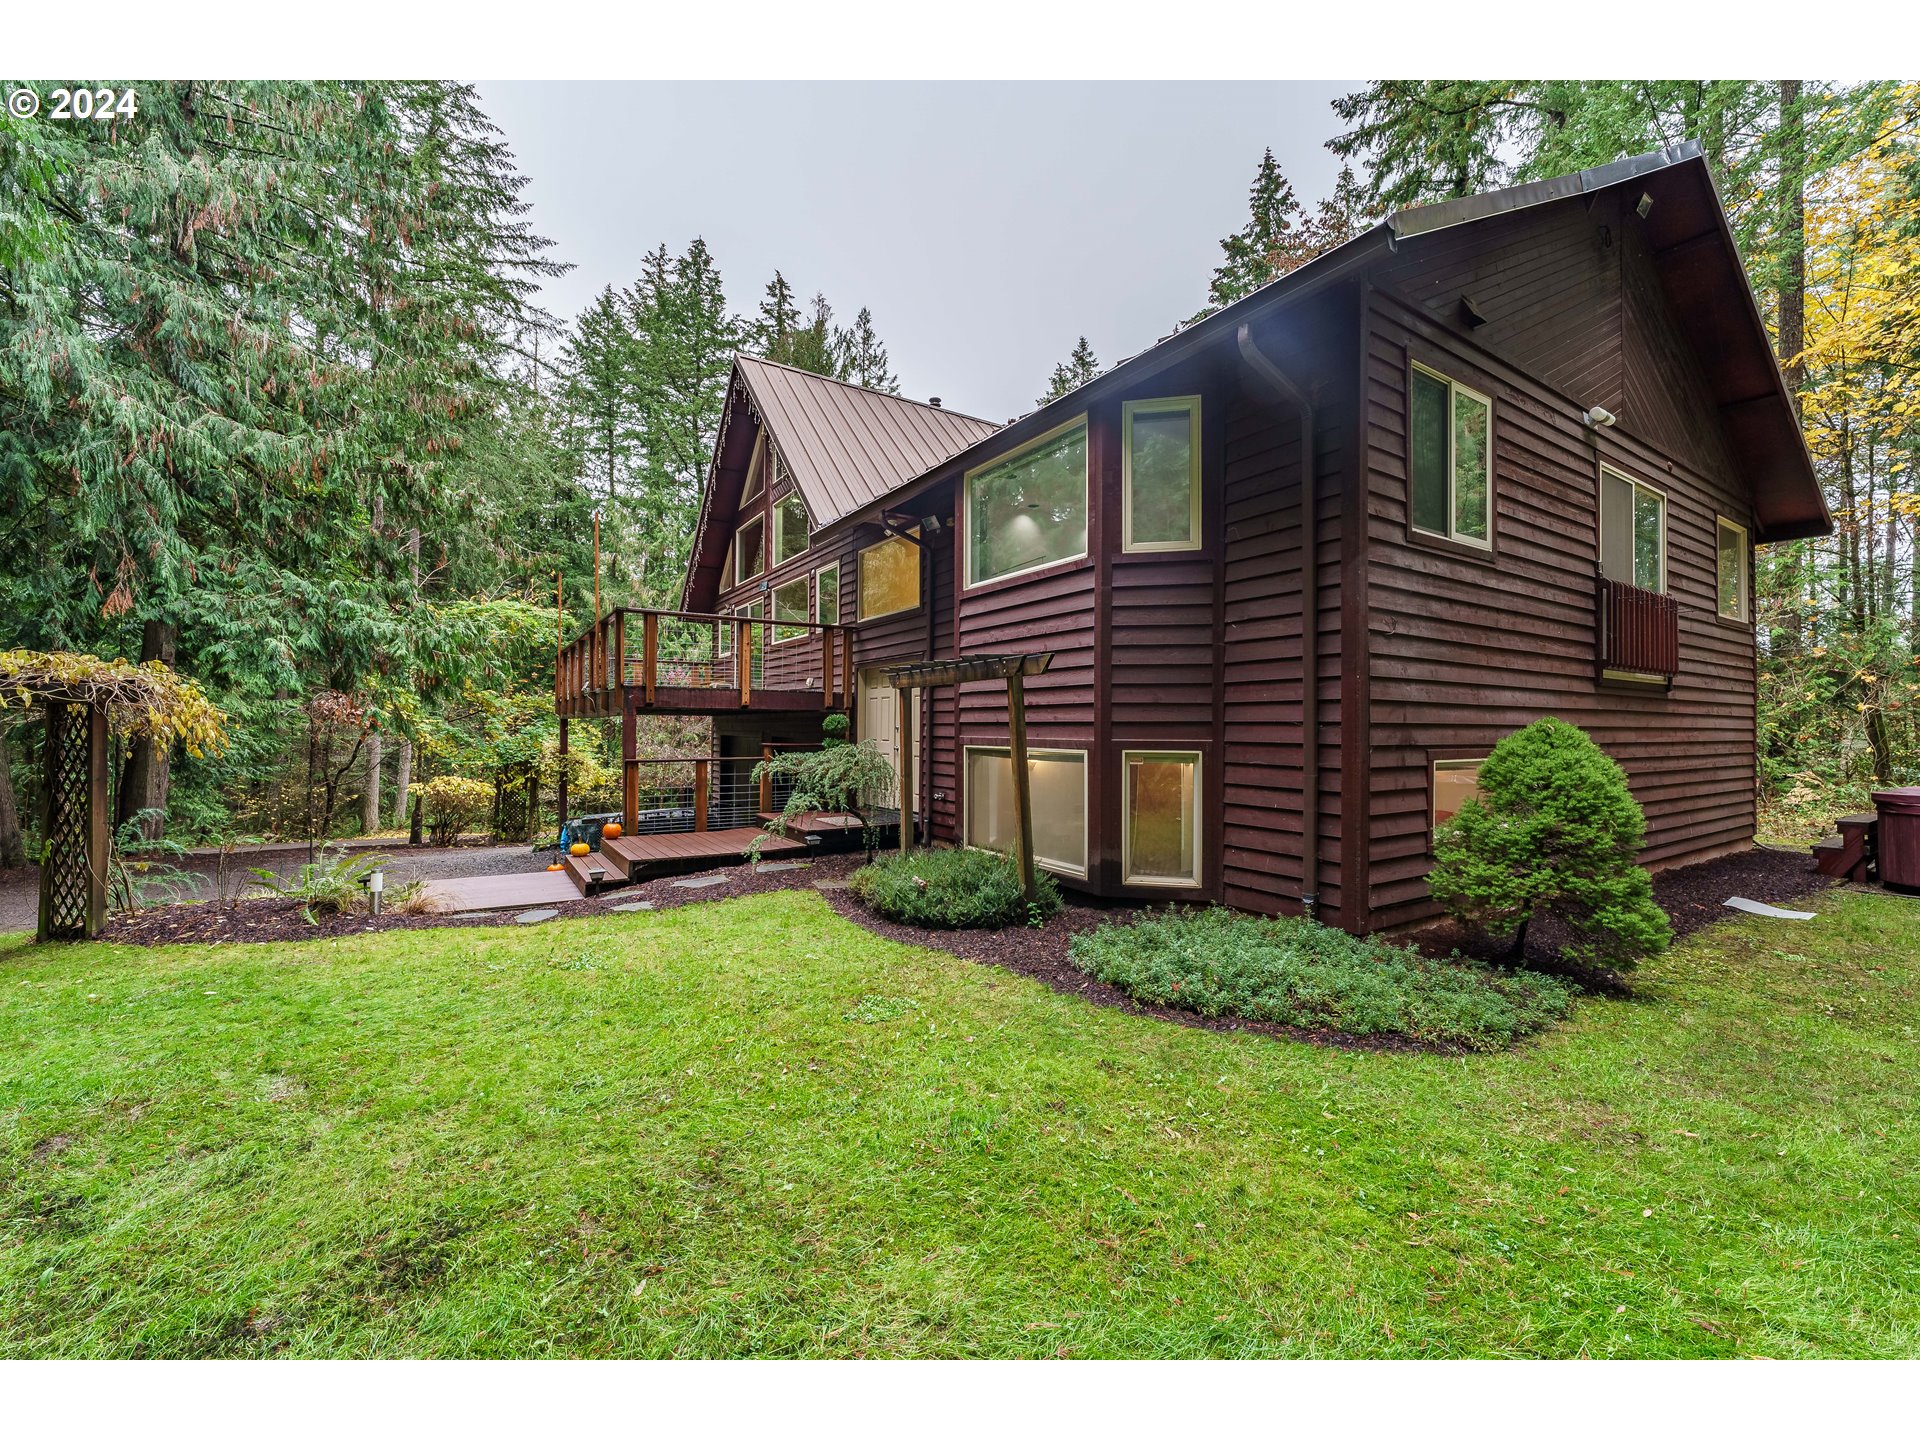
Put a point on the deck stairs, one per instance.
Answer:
(1850, 853)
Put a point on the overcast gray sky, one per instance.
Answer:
(987, 225)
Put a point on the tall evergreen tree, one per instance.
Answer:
(776, 323)
(814, 343)
(1268, 245)
(601, 391)
(862, 358)
(1076, 370)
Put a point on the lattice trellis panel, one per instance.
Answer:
(72, 879)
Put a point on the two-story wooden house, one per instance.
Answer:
(1299, 565)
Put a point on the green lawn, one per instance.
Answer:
(751, 1128)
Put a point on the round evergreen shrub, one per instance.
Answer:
(953, 890)
(1554, 831)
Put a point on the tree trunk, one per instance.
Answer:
(402, 778)
(143, 784)
(1792, 337)
(13, 847)
(370, 800)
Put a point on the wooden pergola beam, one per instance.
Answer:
(923, 674)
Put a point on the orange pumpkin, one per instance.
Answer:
(556, 867)
(579, 847)
(612, 830)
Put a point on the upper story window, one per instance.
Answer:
(826, 590)
(1029, 509)
(1633, 532)
(1451, 443)
(1734, 558)
(781, 475)
(889, 576)
(749, 550)
(789, 529)
(756, 470)
(1160, 474)
(790, 605)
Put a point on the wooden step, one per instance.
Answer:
(582, 868)
(1848, 855)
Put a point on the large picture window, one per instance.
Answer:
(789, 529)
(1633, 532)
(1454, 783)
(1451, 442)
(1029, 509)
(791, 603)
(889, 576)
(1733, 565)
(1160, 474)
(1057, 788)
(1160, 818)
(749, 550)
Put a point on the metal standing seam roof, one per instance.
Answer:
(846, 446)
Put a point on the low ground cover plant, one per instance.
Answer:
(1296, 972)
(1554, 831)
(953, 890)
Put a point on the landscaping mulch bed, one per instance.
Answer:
(1693, 897)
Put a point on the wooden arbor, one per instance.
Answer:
(1013, 669)
(79, 695)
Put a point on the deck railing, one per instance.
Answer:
(1639, 630)
(690, 793)
(678, 659)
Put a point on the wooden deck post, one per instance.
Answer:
(1022, 796)
(560, 799)
(766, 781)
(649, 652)
(745, 651)
(700, 779)
(629, 764)
(905, 697)
(826, 669)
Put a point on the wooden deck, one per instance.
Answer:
(641, 857)
(817, 822)
(503, 892)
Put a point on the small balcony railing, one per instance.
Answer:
(702, 663)
(1639, 631)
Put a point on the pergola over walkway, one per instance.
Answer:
(927, 674)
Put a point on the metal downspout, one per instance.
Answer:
(1292, 394)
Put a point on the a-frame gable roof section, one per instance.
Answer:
(846, 446)
(1700, 271)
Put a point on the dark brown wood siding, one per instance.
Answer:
(1465, 648)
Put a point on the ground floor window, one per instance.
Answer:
(1454, 782)
(1160, 817)
(1057, 787)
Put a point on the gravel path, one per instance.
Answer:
(20, 889)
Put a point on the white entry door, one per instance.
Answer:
(880, 723)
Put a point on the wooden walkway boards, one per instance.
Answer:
(817, 822)
(503, 892)
(639, 852)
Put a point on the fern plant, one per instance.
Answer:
(332, 884)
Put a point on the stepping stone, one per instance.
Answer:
(772, 865)
(831, 885)
(699, 882)
(472, 915)
(534, 917)
(633, 905)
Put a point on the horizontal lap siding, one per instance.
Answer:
(1464, 652)
(1261, 654)
(1052, 611)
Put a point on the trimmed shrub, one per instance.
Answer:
(1295, 972)
(453, 805)
(953, 890)
(1554, 831)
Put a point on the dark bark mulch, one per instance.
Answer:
(1693, 896)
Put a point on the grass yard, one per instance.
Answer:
(752, 1128)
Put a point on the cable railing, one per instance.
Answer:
(692, 793)
(685, 661)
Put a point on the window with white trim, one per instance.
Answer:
(791, 602)
(749, 550)
(789, 529)
(1160, 474)
(1734, 564)
(1450, 453)
(1160, 817)
(826, 594)
(1633, 532)
(1056, 790)
(756, 470)
(1029, 509)
(889, 575)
